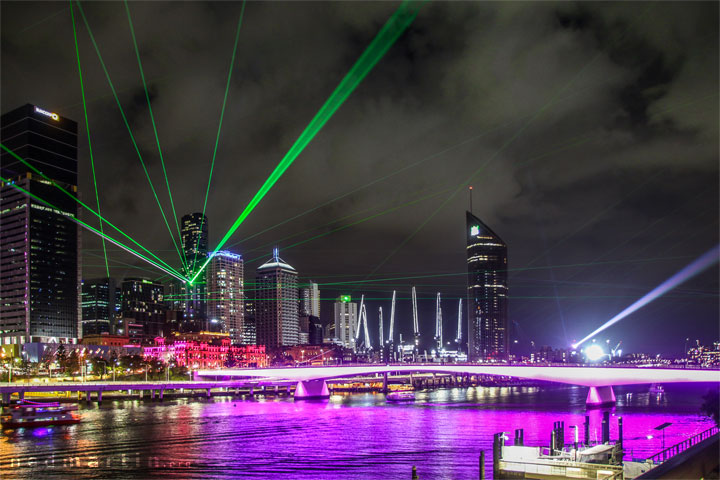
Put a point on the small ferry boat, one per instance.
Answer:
(401, 396)
(30, 415)
(656, 389)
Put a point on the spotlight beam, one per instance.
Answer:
(703, 262)
(390, 32)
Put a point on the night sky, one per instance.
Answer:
(593, 129)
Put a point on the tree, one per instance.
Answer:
(73, 363)
(61, 357)
(98, 366)
(230, 361)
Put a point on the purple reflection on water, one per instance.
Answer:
(349, 437)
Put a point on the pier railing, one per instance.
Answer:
(684, 445)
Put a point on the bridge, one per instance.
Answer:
(312, 381)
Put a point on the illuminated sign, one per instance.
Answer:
(54, 116)
(345, 298)
(475, 230)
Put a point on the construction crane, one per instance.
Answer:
(438, 324)
(459, 325)
(416, 327)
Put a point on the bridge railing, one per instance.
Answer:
(684, 445)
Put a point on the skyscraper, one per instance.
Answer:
(39, 244)
(310, 300)
(225, 301)
(276, 308)
(98, 306)
(488, 335)
(142, 300)
(194, 232)
(346, 316)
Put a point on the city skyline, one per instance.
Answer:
(612, 219)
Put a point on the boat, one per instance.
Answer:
(656, 389)
(31, 414)
(401, 396)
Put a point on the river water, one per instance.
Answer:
(357, 436)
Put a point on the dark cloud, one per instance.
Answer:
(612, 109)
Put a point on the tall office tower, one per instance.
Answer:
(276, 308)
(225, 301)
(98, 306)
(310, 300)
(249, 330)
(488, 335)
(346, 316)
(142, 300)
(194, 232)
(39, 244)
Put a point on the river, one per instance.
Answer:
(357, 436)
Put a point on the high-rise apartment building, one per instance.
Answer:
(276, 307)
(310, 300)
(39, 239)
(142, 301)
(346, 316)
(225, 299)
(98, 306)
(194, 233)
(488, 335)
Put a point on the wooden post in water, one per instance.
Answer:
(414, 473)
(482, 464)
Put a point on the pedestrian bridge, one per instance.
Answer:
(600, 380)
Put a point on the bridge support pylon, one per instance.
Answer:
(600, 397)
(309, 389)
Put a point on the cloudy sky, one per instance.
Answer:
(589, 132)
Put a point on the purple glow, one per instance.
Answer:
(700, 264)
(441, 433)
(587, 376)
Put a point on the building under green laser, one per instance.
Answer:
(39, 246)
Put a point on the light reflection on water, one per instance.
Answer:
(350, 436)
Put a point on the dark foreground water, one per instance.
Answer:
(348, 437)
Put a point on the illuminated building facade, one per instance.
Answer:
(217, 353)
(488, 335)
(98, 306)
(346, 316)
(142, 304)
(225, 300)
(310, 300)
(39, 244)
(194, 233)
(276, 308)
(249, 331)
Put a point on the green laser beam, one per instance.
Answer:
(55, 184)
(92, 229)
(362, 220)
(183, 259)
(382, 42)
(87, 129)
(127, 125)
(217, 137)
(332, 222)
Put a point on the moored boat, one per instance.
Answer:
(401, 396)
(30, 415)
